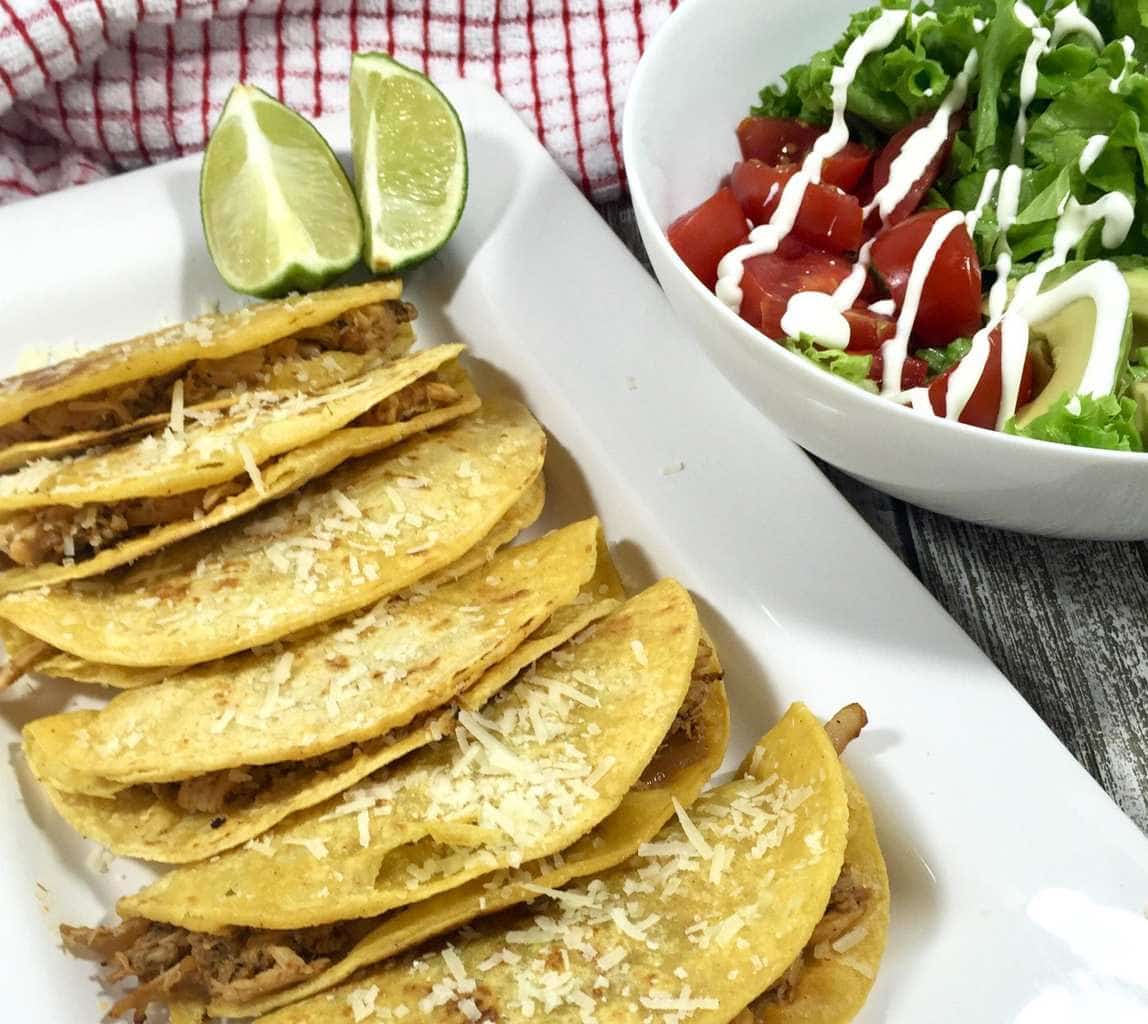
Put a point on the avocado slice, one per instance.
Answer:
(1061, 346)
(1138, 306)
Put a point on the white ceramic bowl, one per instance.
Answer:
(699, 77)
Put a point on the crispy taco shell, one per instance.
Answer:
(280, 476)
(670, 929)
(109, 391)
(510, 786)
(690, 754)
(378, 671)
(369, 529)
(28, 654)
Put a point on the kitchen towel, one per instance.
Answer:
(89, 87)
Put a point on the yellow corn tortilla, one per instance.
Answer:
(137, 821)
(308, 375)
(728, 929)
(27, 654)
(835, 982)
(214, 336)
(377, 672)
(283, 475)
(256, 427)
(642, 812)
(371, 528)
(516, 790)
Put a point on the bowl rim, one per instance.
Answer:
(676, 23)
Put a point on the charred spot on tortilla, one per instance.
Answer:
(300, 343)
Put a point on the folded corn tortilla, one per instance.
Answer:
(204, 816)
(536, 770)
(692, 751)
(370, 528)
(193, 514)
(26, 653)
(699, 923)
(246, 972)
(302, 342)
(376, 672)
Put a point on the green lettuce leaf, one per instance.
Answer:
(846, 365)
(892, 88)
(1107, 422)
(938, 360)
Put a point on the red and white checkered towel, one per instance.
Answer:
(91, 86)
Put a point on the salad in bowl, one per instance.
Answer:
(945, 208)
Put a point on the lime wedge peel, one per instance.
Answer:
(278, 212)
(410, 162)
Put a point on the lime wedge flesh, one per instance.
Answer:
(410, 162)
(278, 212)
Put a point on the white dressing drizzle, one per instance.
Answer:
(896, 348)
(815, 315)
(1028, 304)
(1072, 19)
(820, 316)
(885, 307)
(767, 237)
(988, 187)
(924, 144)
(1092, 150)
(1128, 45)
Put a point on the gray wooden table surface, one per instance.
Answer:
(1066, 621)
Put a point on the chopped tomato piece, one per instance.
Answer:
(868, 331)
(705, 234)
(913, 372)
(984, 403)
(758, 187)
(769, 281)
(776, 140)
(950, 303)
(780, 143)
(916, 192)
(847, 168)
(827, 218)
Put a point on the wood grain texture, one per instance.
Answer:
(1066, 621)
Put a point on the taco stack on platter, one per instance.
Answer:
(396, 761)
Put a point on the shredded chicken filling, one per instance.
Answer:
(58, 532)
(236, 965)
(847, 904)
(684, 744)
(220, 792)
(374, 331)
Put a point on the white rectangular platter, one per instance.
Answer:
(1019, 889)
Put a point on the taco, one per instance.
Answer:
(375, 672)
(78, 516)
(207, 814)
(28, 654)
(691, 752)
(307, 343)
(707, 916)
(369, 529)
(640, 796)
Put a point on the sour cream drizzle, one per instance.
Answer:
(821, 316)
(1129, 46)
(1072, 19)
(767, 237)
(1092, 150)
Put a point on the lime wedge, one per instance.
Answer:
(278, 212)
(410, 162)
